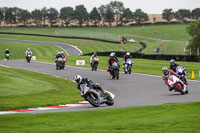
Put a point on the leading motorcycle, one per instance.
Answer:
(7, 55)
(96, 98)
(175, 83)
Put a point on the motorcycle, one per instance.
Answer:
(114, 70)
(7, 55)
(181, 71)
(28, 58)
(127, 66)
(175, 83)
(60, 64)
(96, 98)
(95, 63)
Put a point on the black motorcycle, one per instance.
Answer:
(28, 58)
(94, 64)
(7, 55)
(60, 64)
(114, 70)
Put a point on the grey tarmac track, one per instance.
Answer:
(71, 50)
(130, 90)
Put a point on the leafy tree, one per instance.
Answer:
(67, 13)
(95, 16)
(10, 15)
(102, 9)
(81, 14)
(194, 30)
(127, 16)
(182, 14)
(196, 13)
(118, 9)
(24, 16)
(140, 16)
(52, 15)
(109, 16)
(44, 13)
(168, 15)
(37, 16)
(1, 15)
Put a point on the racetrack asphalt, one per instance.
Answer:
(130, 90)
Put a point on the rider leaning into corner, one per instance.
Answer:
(173, 65)
(112, 59)
(126, 57)
(7, 51)
(28, 51)
(166, 74)
(92, 58)
(79, 80)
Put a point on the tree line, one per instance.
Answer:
(114, 12)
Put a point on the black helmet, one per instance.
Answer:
(165, 70)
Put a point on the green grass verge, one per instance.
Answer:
(25, 89)
(17, 50)
(166, 118)
(87, 46)
(166, 32)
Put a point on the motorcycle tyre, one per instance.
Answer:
(93, 103)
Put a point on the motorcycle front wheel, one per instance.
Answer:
(92, 98)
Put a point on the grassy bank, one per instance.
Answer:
(165, 32)
(25, 89)
(166, 118)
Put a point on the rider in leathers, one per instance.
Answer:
(126, 57)
(173, 65)
(89, 83)
(112, 59)
(28, 52)
(166, 74)
(92, 58)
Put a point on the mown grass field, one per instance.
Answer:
(24, 89)
(166, 118)
(165, 32)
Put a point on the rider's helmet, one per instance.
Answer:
(62, 53)
(165, 70)
(172, 61)
(58, 53)
(28, 49)
(7, 49)
(94, 54)
(78, 78)
(128, 53)
(112, 54)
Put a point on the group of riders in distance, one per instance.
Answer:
(28, 55)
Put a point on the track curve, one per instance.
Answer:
(129, 90)
(70, 50)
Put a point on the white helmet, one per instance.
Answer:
(62, 52)
(128, 53)
(112, 54)
(78, 78)
(29, 49)
(58, 53)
